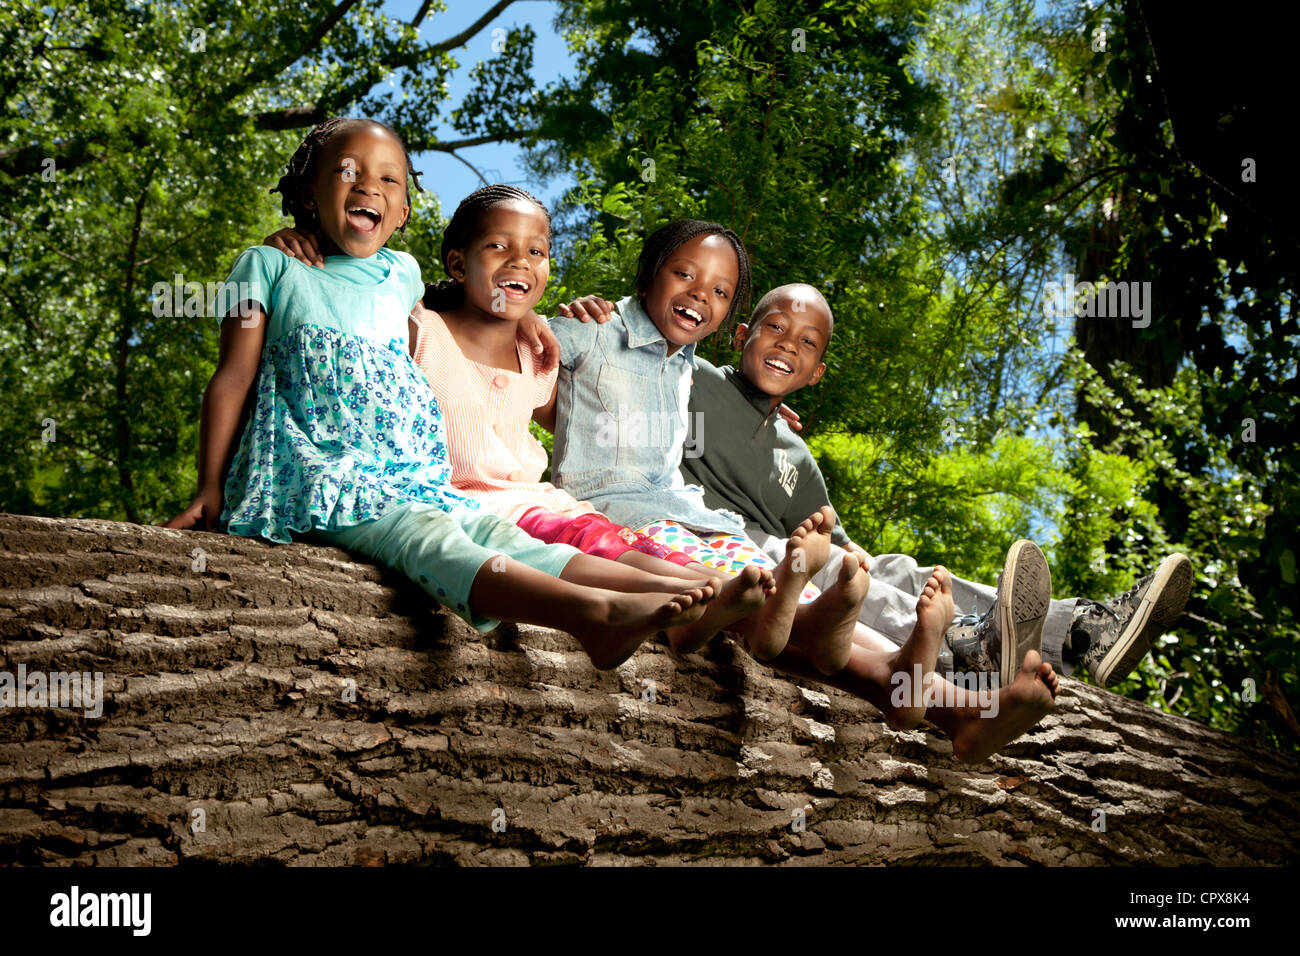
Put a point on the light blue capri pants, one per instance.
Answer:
(442, 551)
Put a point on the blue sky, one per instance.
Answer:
(451, 180)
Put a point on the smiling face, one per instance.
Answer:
(359, 191)
(692, 291)
(782, 347)
(506, 264)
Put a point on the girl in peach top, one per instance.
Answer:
(489, 385)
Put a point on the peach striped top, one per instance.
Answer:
(486, 411)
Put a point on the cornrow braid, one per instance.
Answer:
(666, 240)
(295, 184)
(449, 294)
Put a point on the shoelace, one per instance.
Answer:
(1120, 599)
(1131, 592)
(980, 625)
(1098, 607)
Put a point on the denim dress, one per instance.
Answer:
(621, 422)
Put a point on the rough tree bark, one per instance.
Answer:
(228, 691)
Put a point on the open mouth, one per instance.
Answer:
(778, 366)
(687, 315)
(515, 288)
(364, 218)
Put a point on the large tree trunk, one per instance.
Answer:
(229, 690)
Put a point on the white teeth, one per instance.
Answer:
(365, 209)
(692, 313)
(513, 283)
(777, 363)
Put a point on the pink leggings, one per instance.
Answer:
(595, 534)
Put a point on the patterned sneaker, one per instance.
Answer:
(1121, 630)
(974, 642)
(1013, 626)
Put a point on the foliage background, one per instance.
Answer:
(930, 165)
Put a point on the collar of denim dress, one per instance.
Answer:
(641, 330)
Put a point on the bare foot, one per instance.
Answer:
(614, 624)
(736, 598)
(917, 657)
(824, 629)
(1018, 707)
(651, 582)
(807, 550)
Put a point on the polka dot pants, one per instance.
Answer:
(724, 552)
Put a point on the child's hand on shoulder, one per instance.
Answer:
(791, 417)
(296, 245)
(589, 308)
(541, 339)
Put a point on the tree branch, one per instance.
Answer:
(24, 160)
(460, 39)
(122, 354)
(1175, 792)
(298, 117)
(21, 161)
(454, 155)
(263, 73)
(451, 145)
(338, 102)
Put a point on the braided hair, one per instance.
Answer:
(666, 240)
(450, 294)
(295, 185)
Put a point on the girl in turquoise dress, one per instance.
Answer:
(344, 441)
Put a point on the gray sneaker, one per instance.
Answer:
(974, 644)
(1013, 626)
(1120, 631)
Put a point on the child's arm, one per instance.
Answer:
(223, 409)
(544, 415)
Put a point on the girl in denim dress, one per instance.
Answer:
(621, 406)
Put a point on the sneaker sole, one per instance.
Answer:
(1024, 592)
(1157, 611)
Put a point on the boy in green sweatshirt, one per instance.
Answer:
(748, 460)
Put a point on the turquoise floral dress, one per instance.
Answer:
(342, 425)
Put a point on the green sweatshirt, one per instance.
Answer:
(746, 458)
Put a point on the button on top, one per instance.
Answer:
(500, 381)
(498, 429)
